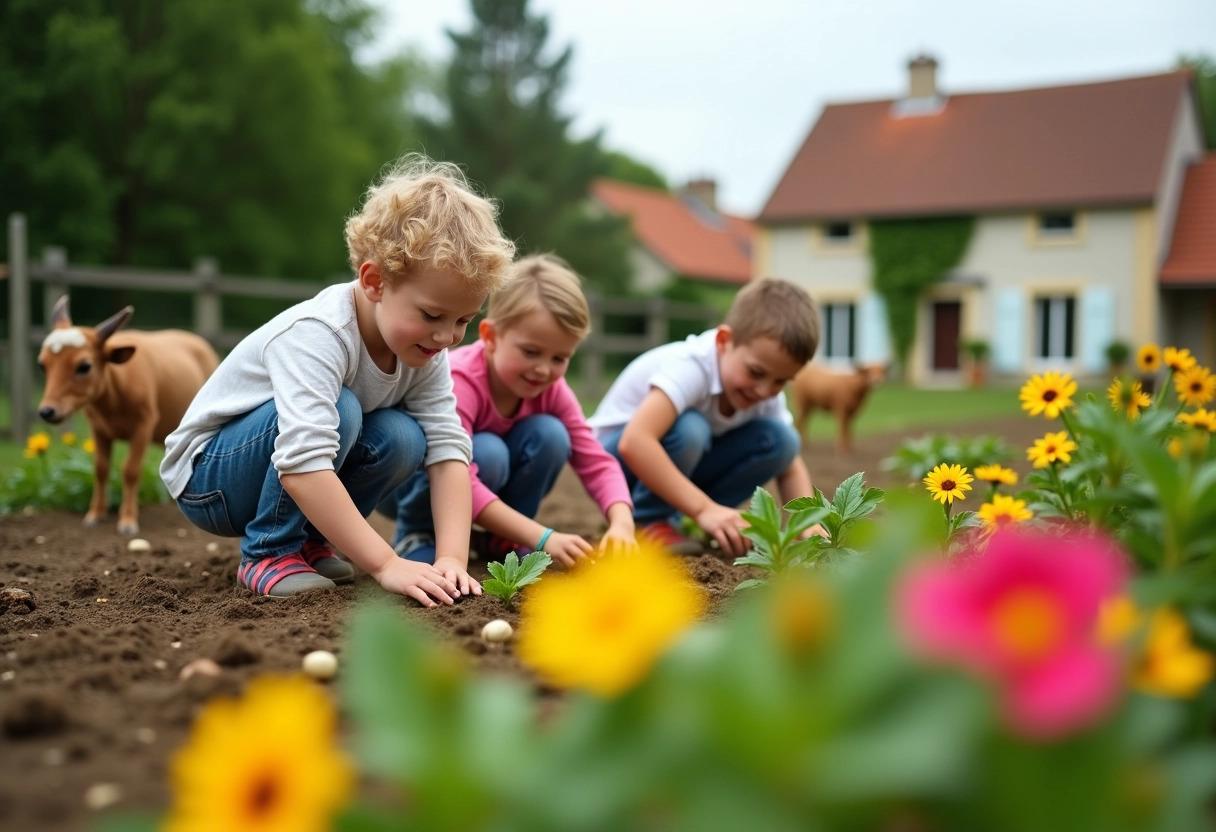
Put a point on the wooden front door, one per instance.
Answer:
(947, 321)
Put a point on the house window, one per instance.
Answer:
(1055, 327)
(1058, 224)
(838, 330)
(838, 232)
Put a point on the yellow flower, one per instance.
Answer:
(89, 446)
(1178, 359)
(1171, 665)
(1048, 394)
(1149, 358)
(601, 626)
(1201, 418)
(996, 474)
(1118, 619)
(1196, 386)
(1129, 398)
(1003, 511)
(265, 763)
(803, 613)
(69, 438)
(1051, 448)
(37, 444)
(948, 482)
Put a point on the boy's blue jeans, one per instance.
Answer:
(520, 468)
(235, 490)
(728, 467)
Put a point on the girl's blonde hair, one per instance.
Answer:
(542, 281)
(422, 213)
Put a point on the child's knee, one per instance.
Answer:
(350, 420)
(397, 439)
(688, 440)
(778, 440)
(553, 440)
(493, 460)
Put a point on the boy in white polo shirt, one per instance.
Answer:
(699, 424)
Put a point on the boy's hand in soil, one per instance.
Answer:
(723, 524)
(566, 549)
(420, 581)
(458, 574)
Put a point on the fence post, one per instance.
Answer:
(592, 359)
(55, 261)
(207, 306)
(18, 328)
(656, 321)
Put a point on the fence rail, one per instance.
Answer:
(208, 288)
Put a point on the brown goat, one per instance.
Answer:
(134, 386)
(841, 394)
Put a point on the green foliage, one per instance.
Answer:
(778, 549)
(908, 256)
(1204, 67)
(62, 477)
(150, 133)
(504, 125)
(624, 168)
(915, 458)
(977, 349)
(1117, 353)
(511, 575)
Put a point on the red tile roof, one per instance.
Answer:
(1079, 145)
(688, 237)
(1192, 258)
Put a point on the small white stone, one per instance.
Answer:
(40, 539)
(175, 644)
(320, 664)
(160, 664)
(138, 544)
(106, 572)
(199, 667)
(182, 532)
(145, 735)
(212, 547)
(186, 564)
(8, 676)
(497, 631)
(102, 795)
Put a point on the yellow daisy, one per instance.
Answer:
(1201, 418)
(36, 445)
(1048, 394)
(1171, 666)
(1148, 359)
(996, 474)
(803, 614)
(948, 483)
(599, 627)
(89, 446)
(265, 763)
(1178, 359)
(1129, 398)
(1118, 619)
(69, 438)
(1051, 448)
(1196, 386)
(1002, 511)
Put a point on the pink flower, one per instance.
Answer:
(1023, 613)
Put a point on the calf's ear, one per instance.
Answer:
(120, 355)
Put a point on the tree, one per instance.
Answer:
(151, 132)
(503, 123)
(625, 168)
(1204, 67)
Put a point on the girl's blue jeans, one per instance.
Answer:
(728, 467)
(520, 468)
(235, 490)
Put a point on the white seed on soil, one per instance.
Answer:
(102, 795)
(106, 573)
(8, 676)
(199, 667)
(145, 735)
(320, 664)
(40, 539)
(212, 547)
(138, 544)
(182, 532)
(175, 644)
(160, 664)
(497, 631)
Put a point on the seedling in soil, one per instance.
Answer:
(512, 575)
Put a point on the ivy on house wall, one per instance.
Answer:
(910, 255)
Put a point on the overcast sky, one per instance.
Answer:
(729, 89)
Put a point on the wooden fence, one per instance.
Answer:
(208, 288)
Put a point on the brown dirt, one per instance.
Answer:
(91, 651)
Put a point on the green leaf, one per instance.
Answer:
(751, 583)
(498, 588)
(534, 563)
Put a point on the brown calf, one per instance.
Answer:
(842, 394)
(133, 386)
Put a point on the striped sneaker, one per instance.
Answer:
(280, 577)
(323, 557)
(664, 534)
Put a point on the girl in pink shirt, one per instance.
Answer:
(525, 422)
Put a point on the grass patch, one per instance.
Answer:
(894, 408)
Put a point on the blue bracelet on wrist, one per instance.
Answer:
(544, 538)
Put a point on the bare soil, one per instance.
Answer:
(93, 644)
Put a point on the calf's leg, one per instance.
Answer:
(100, 504)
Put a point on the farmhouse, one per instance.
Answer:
(1092, 219)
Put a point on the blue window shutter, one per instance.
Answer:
(1097, 327)
(1008, 331)
(874, 345)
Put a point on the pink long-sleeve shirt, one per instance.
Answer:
(598, 470)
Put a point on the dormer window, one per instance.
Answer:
(1058, 223)
(838, 232)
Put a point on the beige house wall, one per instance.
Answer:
(649, 273)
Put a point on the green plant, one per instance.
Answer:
(778, 549)
(1117, 353)
(512, 575)
(915, 458)
(977, 349)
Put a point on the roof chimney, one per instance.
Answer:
(703, 189)
(922, 77)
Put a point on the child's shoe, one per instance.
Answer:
(417, 546)
(490, 546)
(664, 534)
(281, 577)
(322, 557)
